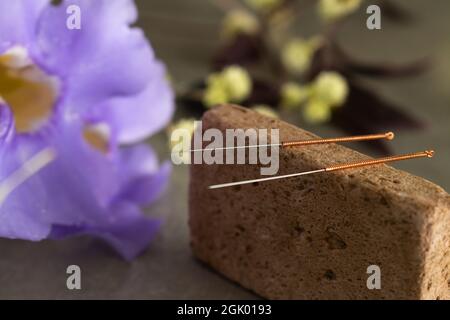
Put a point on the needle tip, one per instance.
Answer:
(390, 135)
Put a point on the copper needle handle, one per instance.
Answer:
(428, 153)
(387, 135)
(295, 143)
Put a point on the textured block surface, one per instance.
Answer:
(313, 237)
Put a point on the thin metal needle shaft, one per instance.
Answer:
(428, 153)
(237, 147)
(224, 185)
(296, 143)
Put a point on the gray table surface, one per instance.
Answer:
(184, 34)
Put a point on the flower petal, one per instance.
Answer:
(82, 191)
(6, 124)
(102, 59)
(142, 181)
(109, 75)
(18, 21)
(129, 234)
(15, 218)
(135, 118)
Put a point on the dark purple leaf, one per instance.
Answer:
(394, 12)
(325, 59)
(332, 57)
(242, 50)
(351, 65)
(365, 112)
(263, 93)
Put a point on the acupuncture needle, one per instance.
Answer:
(427, 153)
(297, 143)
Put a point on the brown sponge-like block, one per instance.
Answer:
(313, 237)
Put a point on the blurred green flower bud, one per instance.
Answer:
(232, 84)
(317, 111)
(297, 54)
(293, 95)
(216, 91)
(330, 10)
(266, 111)
(237, 82)
(263, 6)
(331, 88)
(239, 22)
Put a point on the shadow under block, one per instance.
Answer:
(313, 237)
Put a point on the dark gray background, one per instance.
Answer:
(184, 34)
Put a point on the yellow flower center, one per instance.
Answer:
(28, 91)
(97, 136)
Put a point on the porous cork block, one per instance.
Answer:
(313, 237)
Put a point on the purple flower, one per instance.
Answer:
(73, 106)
